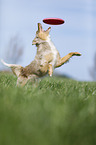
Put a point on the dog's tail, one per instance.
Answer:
(16, 69)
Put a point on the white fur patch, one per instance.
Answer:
(54, 51)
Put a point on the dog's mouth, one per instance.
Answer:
(33, 43)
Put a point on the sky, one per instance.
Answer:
(78, 33)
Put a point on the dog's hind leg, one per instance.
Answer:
(31, 79)
(21, 81)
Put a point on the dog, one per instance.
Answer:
(46, 60)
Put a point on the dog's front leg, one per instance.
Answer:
(66, 58)
(50, 70)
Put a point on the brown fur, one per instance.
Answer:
(47, 58)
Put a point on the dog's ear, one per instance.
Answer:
(48, 30)
(40, 27)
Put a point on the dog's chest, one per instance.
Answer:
(54, 52)
(47, 52)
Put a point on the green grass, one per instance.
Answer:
(57, 111)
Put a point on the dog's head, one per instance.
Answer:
(41, 35)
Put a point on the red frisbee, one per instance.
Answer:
(53, 21)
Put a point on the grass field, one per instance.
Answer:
(57, 111)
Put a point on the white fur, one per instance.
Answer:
(54, 51)
(9, 65)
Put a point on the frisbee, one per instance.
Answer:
(53, 21)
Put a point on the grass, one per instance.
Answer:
(57, 111)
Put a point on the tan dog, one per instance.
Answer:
(47, 58)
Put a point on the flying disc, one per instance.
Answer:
(53, 21)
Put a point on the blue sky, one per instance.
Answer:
(78, 33)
